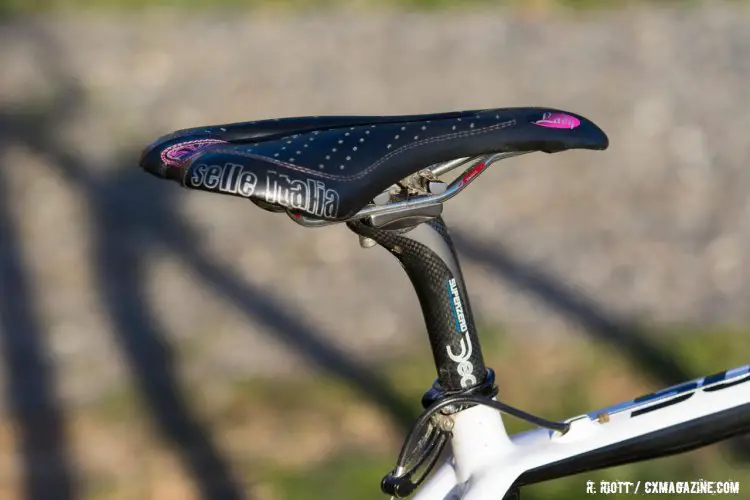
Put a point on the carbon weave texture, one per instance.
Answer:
(430, 275)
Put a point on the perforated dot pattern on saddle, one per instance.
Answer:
(348, 153)
(332, 167)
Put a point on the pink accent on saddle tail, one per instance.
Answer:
(558, 120)
(177, 154)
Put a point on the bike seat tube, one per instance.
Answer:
(427, 255)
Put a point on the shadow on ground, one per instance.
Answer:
(134, 213)
(131, 215)
(624, 335)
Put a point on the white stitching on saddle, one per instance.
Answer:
(375, 165)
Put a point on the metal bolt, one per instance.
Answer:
(444, 422)
(366, 242)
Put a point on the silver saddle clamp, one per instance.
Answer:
(417, 198)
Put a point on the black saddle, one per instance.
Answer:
(330, 167)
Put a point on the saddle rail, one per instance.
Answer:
(436, 191)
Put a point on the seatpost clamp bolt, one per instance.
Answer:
(366, 242)
(444, 422)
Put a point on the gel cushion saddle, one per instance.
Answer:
(330, 167)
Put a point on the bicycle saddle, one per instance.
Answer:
(331, 167)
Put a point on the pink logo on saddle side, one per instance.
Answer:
(177, 154)
(558, 120)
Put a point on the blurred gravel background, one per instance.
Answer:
(653, 230)
(154, 341)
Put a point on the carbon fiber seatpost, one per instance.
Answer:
(426, 253)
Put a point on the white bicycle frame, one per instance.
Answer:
(486, 462)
